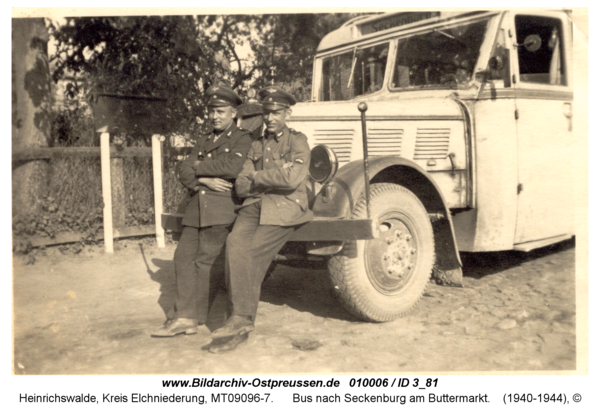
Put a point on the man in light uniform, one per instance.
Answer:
(208, 173)
(273, 183)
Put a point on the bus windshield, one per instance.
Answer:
(444, 57)
(355, 73)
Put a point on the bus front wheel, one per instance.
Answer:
(383, 278)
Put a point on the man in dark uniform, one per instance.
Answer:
(208, 173)
(273, 183)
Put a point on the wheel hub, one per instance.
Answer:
(399, 256)
(392, 257)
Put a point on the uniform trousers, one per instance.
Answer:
(250, 250)
(199, 270)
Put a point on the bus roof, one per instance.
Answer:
(370, 26)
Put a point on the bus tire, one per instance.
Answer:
(384, 278)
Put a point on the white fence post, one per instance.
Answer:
(158, 188)
(106, 191)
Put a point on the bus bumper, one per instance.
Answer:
(319, 229)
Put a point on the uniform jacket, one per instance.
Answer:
(281, 187)
(224, 159)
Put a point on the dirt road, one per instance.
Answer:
(92, 313)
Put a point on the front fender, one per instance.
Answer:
(345, 189)
(349, 183)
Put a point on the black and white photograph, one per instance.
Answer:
(320, 192)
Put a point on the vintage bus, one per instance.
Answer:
(464, 145)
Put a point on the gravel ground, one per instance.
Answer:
(91, 313)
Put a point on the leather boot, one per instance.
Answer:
(223, 345)
(237, 324)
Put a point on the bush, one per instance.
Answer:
(73, 127)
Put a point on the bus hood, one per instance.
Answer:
(392, 109)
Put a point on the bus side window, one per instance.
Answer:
(540, 50)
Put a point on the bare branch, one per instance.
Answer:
(243, 77)
(235, 55)
(223, 30)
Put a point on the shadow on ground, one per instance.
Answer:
(165, 276)
(307, 289)
(304, 289)
(480, 264)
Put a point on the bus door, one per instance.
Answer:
(544, 101)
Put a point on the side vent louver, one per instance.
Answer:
(339, 140)
(432, 143)
(384, 141)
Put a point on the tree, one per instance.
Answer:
(30, 109)
(151, 56)
(178, 57)
(285, 42)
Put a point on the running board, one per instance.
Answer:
(531, 245)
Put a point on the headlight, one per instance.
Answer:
(323, 164)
